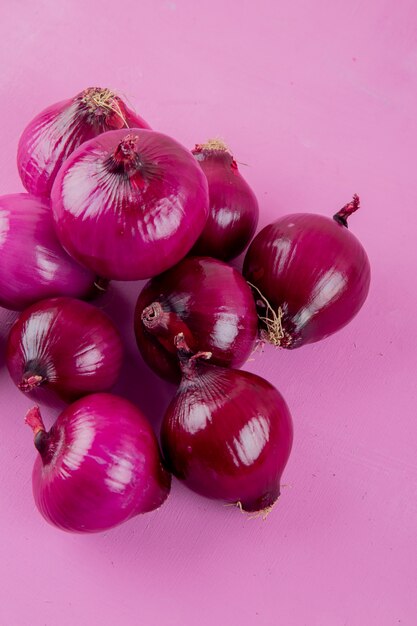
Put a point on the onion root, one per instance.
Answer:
(96, 98)
(274, 332)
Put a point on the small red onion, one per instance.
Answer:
(65, 345)
(206, 300)
(98, 466)
(227, 434)
(55, 133)
(310, 276)
(33, 264)
(129, 206)
(234, 211)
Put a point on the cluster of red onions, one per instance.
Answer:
(110, 199)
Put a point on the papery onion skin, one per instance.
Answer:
(129, 206)
(33, 265)
(234, 211)
(310, 275)
(56, 132)
(227, 434)
(64, 345)
(205, 299)
(98, 466)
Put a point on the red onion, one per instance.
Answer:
(98, 466)
(55, 133)
(206, 300)
(33, 264)
(310, 276)
(129, 206)
(234, 211)
(66, 345)
(227, 434)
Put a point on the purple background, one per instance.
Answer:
(319, 100)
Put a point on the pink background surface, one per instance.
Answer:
(319, 100)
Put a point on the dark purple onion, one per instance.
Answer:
(65, 345)
(310, 276)
(55, 133)
(206, 300)
(227, 434)
(129, 206)
(234, 211)
(98, 466)
(33, 264)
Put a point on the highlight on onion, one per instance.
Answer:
(56, 132)
(227, 434)
(129, 205)
(33, 264)
(234, 211)
(310, 276)
(205, 299)
(98, 466)
(65, 345)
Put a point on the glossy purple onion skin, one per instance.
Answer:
(234, 211)
(33, 264)
(211, 303)
(56, 132)
(136, 221)
(72, 346)
(228, 435)
(314, 269)
(101, 466)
